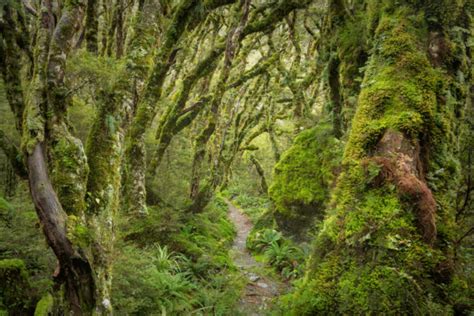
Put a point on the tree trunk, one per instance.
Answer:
(92, 26)
(382, 248)
(261, 173)
(135, 189)
(74, 269)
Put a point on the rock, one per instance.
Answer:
(262, 285)
(253, 277)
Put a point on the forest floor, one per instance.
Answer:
(261, 287)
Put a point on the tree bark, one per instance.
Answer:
(74, 268)
(261, 174)
(383, 210)
(135, 191)
(92, 26)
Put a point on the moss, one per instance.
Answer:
(77, 232)
(369, 256)
(14, 285)
(45, 306)
(304, 174)
(351, 45)
(69, 170)
(305, 170)
(399, 90)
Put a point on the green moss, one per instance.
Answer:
(69, 170)
(304, 174)
(45, 306)
(303, 178)
(77, 232)
(399, 90)
(369, 257)
(14, 285)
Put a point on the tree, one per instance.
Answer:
(386, 242)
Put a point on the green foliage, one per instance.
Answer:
(146, 281)
(176, 265)
(285, 258)
(14, 285)
(253, 206)
(93, 71)
(21, 238)
(261, 240)
(279, 252)
(6, 210)
(368, 256)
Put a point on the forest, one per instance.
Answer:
(236, 157)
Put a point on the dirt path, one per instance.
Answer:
(260, 289)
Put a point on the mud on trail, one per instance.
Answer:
(260, 289)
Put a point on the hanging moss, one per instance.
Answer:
(303, 177)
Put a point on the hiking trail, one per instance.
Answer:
(260, 289)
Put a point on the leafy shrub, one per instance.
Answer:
(22, 242)
(188, 271)
(283, 257)
(261, 240)
(278, 252)
(148, 280)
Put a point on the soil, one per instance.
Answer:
(260, 289)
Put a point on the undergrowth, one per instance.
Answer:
(177, 265)
(264, 241)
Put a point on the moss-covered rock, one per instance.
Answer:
(14, 286)
(303, 177)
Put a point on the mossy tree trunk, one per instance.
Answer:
(201, 193)
(186, 13)
(169, 122)
(92, 26)
(77, 227)
(385, 245)
(177, 117)
(105, 146)
(261, 173)
(201, 196)
(48, 135)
